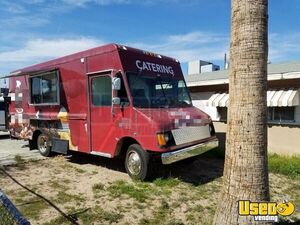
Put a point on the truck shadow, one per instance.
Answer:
(199, 170)
(82, 158)
(4, 136)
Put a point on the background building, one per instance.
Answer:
(209, 92)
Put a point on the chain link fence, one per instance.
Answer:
(9, 214)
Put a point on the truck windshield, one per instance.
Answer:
(158, 91)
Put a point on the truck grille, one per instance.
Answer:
(190, 134)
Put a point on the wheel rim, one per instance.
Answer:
(42, 144)
(134, 163)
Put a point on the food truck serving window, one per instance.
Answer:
(44, 88)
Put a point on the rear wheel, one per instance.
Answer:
(43, 145)
(137, 162)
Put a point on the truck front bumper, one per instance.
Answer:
(177, 155)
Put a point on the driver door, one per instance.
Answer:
(101, 121)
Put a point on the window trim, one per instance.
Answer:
(57, 88)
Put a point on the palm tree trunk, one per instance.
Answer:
(246, 171)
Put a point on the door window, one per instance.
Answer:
(101, 91)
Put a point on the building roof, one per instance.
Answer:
(275, 71)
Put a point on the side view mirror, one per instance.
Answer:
(116, 83)
(116, 101)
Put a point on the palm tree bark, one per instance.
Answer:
(246, 171)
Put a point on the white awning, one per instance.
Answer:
(211, 99)
(218, 100)
(283, 98)
(275, 98)
(224, 101)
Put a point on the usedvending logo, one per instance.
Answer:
(265, 211)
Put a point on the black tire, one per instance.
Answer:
(43, 145)
(137, 163)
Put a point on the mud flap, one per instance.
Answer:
(60, 146)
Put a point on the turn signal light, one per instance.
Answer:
(161, 139)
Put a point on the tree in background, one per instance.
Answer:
(246, 170)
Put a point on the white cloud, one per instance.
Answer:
(284, 46)
(212, 46)
(198, 37)
(190, 46)
(82, 3)
(185, 47)
(38, 50)
(34, 1)
(28, 21)
(12, 7)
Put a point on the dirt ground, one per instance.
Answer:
(84, 189)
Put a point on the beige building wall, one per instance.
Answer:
(283, 140)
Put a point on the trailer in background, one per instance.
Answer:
(4, 102)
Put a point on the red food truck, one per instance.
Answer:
(110, 101)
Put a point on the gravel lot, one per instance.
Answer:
(10, 148)
(84, 190)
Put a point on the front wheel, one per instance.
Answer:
(137, 162)
(43, 145)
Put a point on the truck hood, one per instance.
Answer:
(173, 118)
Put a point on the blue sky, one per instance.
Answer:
(33, 31)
